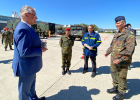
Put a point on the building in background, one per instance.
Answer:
(138, 31)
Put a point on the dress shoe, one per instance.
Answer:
(63, 71)
(42, 98)
(119, 96)
(84, 71)
(68, 71)
(113, 90)
(93, 75)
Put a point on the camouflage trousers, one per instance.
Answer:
(12, 41)
(66, 60)
(119, 76)
(6, 44)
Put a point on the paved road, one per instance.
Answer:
(51, 84)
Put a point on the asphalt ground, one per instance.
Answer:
(77, 86)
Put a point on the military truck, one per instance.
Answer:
(78, 31)
(44, 28)
(61, 30)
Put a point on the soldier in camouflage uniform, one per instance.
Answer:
(66, 42)
(2, 37)
(121, 50)
(12, 31)
(128, 27)
(7, 35)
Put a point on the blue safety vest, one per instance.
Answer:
(92, 39)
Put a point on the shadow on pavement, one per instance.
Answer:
(74, 93)
(135, 64)
(133, 87)
(6, 61)
(103, 70)
(100, 70)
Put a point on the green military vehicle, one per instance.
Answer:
(59, 30)
(78, 31)
(45, 27)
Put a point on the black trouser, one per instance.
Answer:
(93, 60)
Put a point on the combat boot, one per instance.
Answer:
(119, 96)
(113, 90)
(11, 48)
(68, 71)
(129, 67)
(63, 71)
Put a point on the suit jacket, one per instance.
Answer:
(27, 58)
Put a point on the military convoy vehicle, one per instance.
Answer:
(78, 31)
(61, 30)
(43, 28)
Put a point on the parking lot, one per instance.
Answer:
(77, 86)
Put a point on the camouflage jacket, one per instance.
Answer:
(122, 46)
(7, 36)
(66, 43)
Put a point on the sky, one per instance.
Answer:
(99, 12)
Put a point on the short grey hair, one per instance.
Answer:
(123, 21)
(25, 9)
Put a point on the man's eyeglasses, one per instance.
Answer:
(32, 14)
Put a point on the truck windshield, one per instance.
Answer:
(79, 28)
(73, 28)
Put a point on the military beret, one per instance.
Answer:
(67, 29)
(6, 28)
(119, 18)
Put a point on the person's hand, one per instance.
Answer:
(106, 55)
(84, 45)
(117, 61)
(44, 49)
(91, 48)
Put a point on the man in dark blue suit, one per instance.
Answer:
(27, 59)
